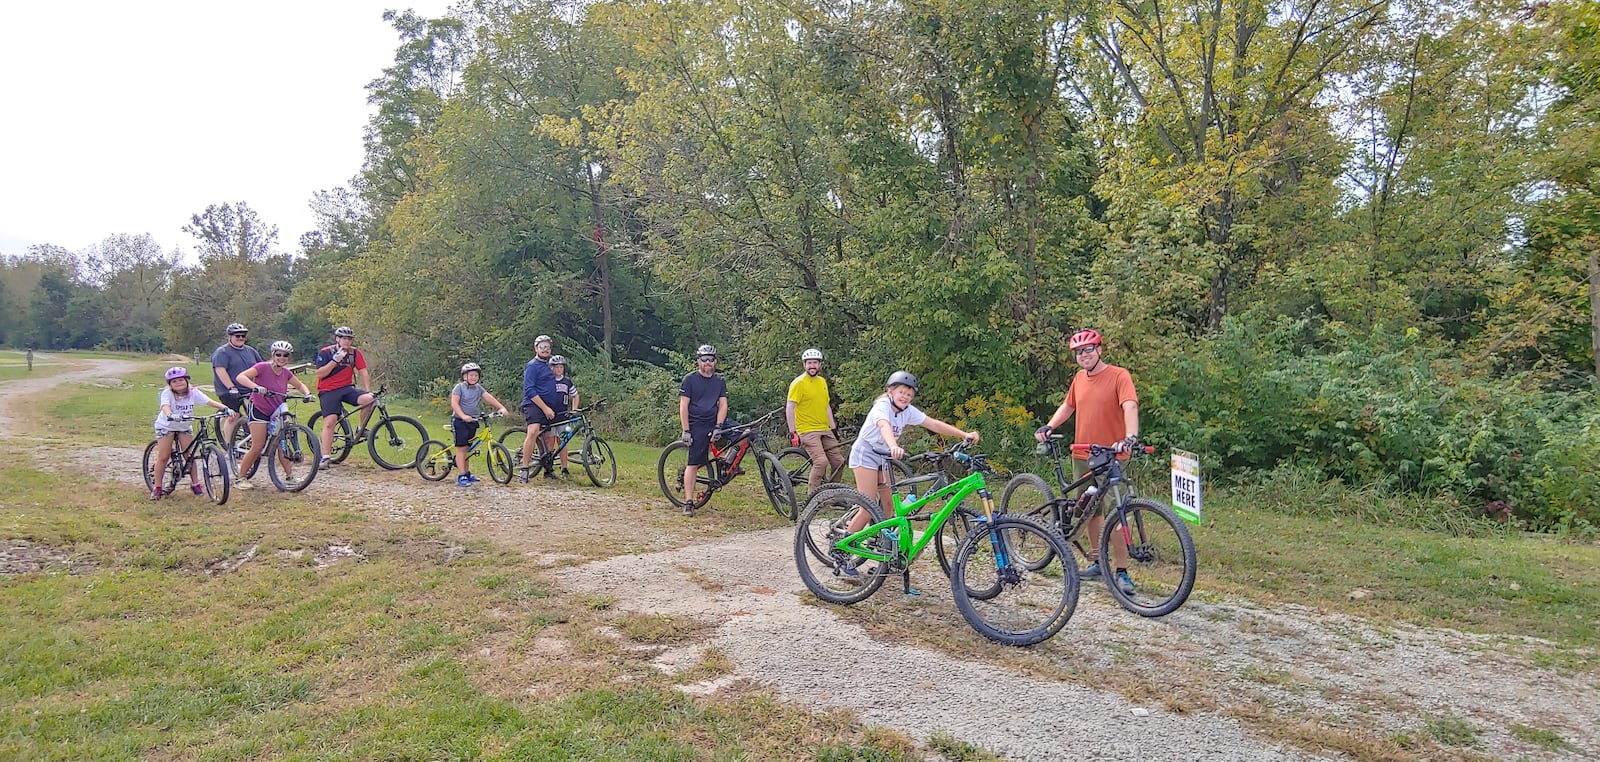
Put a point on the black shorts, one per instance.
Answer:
(700, 443)
(534, 416)
(333, 401)
(235, 402)
(465, 431)
(263, 415)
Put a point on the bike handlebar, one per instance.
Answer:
(1094, 449)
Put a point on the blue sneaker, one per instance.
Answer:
(473, 479)
(463, 481)
(1090, 572)
(1123, 583)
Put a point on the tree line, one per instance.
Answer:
(1355, 238)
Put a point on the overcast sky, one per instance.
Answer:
(126, 118)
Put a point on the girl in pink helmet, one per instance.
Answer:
(178, 402)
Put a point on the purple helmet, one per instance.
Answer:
(177, 372)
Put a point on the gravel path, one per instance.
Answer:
(1193, 674)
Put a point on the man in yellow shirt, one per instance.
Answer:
(811, 418)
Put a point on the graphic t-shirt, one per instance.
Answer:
(703, 393)
(266, 379)
(566, 390)
(1097, 404)
(182, 407)
(871, 440)
(345, 374)
(234, 361)
(810, 397)
(470, 395)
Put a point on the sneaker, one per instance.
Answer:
(1123, 583)
(688, 510)
(243, 484)
(325, 463)
(1090, 572)
(156, 493)
(565, 474)
(522, 475)
(463, 481)
(197, 489)
(473, 479)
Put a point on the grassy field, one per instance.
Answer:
(163, 643)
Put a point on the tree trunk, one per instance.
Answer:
(602, 256)
(1594, 301)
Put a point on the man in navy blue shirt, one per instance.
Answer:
(702, 407)
(539, 398)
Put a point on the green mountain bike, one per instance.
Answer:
(1003, 596)
(435, 458)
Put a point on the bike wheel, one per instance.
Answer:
(216, 471)
(499, 463)
(598, 461)
(148, 465)
(394, 441)
(824, 568)
(344, 440)
(669, 474)
(292, 457)
(775, 482)
(1030, 495)
(512, 439)
(1161, 562)
(238, 445)
(951, 534)
(797, 462)
(435, 460)
(1029, 605)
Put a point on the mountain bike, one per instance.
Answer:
(435, 459)
(726, 457)
(797, 461)
(593, 453)
(293, 453)
(203, 450)
(392, 440)
(1000, 595)
(1161, 557)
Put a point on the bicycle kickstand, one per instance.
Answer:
(905, 579)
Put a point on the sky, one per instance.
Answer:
(126, 118)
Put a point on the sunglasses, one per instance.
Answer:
(280, 354)
(238, 335)
(708, 359)
(1085, 350)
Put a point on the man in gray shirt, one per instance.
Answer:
(227, 362)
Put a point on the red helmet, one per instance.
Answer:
(1083, 338)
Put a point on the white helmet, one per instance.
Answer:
(234, 328)
(281, 346)
(471, 366)
(541, 339)
(811, 354)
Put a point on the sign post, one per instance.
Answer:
(1186, 485)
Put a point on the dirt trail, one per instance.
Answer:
(1203, 665)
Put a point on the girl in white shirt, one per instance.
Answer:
(178, 402)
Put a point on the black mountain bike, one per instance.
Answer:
(1161, 558)
(729, 445)
(292, 453)
(392, 440)
(203, 453)
(590, 451)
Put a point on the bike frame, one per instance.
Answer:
(911, 548)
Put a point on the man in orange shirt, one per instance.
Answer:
(1107, 407)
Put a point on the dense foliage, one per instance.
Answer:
(1356, 239)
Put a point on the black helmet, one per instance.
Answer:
(344, 331)
(900, 377)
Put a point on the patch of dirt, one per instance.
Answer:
(28, 557)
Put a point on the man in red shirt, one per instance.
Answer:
(1107, 408)
(337, 365)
